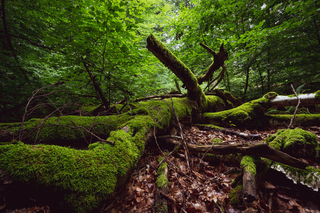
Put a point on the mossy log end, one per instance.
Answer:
(249, 168)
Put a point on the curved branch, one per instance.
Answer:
(218, 61)
(259, 150)
(195, 92)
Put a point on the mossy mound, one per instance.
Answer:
(85, 177)
(236, 195)
(296, 142)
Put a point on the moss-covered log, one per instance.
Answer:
(248, 164)
(299, 120)
(248, 114)
(85, 177)
(195, 92)
(162, 184)
(296, 142)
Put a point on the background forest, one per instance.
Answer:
(89, 52)
(85, 69)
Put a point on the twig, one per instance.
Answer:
(185, 146)
(100, 139)
(219, 78)
(169, 136)
(295, 111)
(26, 108)
(204, 156)
(164, 155)
(171, 199)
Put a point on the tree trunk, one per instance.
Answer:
(247, 83)
(195, 92)
(96, 86)
(306, 100)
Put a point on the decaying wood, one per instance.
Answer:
(249, 187)
(187, 77)
(306, 100)
(232, 132)
(259, 150)
(161, 201)
(218, 58)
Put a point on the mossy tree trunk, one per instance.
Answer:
(195, 92)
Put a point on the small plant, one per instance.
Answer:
(232, 124)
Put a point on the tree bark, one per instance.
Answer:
(218, 58)
(247, 83)
(195, 92)
(259, 150)
(306, 100)
(96, 86)
(249, 187)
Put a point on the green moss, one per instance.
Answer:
(72, 128)
(248, 114)
(317, 94)
(296, 142)
(299, 120)
(87, 177)
(214, 103)
(235, 195)
(210, 126)
(249, 163)
(270, 95)
(68, 127)
(216, 141)
(89, 108)
(162, 180)
(161, 207)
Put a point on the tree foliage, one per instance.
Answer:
(84, 45)
(96, 49)
(271, 43)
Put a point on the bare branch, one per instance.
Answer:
(295, 111)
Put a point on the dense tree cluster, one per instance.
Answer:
(96, 49)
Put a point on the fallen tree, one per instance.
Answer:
(115, 143)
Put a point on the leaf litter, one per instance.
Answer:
(207, 186)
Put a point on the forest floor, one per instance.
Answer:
(206, 187)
